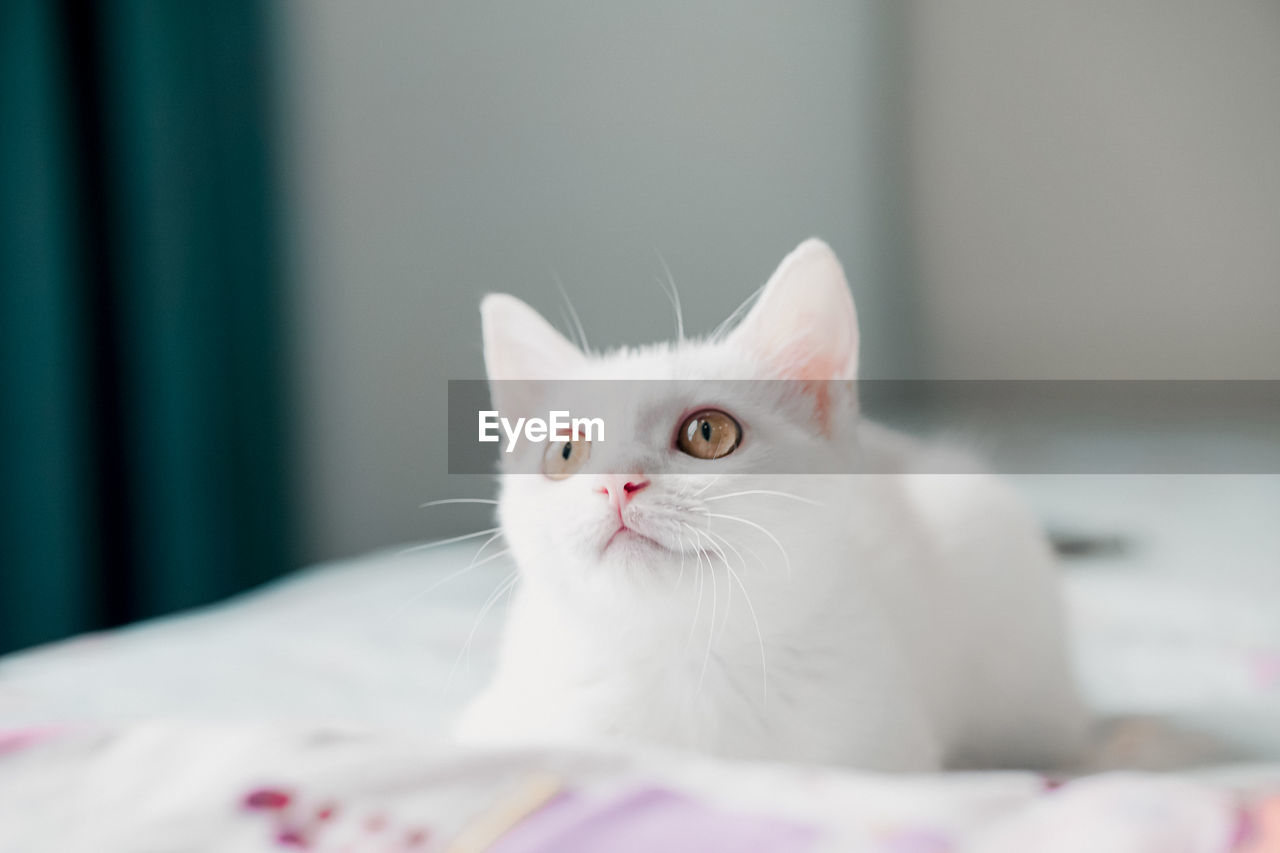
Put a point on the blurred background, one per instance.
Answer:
(242, 243)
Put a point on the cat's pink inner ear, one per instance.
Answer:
(805, 328)
(803, 362)
(804, 325)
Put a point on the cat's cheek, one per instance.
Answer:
(523, 461)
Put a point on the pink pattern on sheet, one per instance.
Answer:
(1259, 828)
(12, 740)
(1266, 667)
(298, 826)
(652, 818)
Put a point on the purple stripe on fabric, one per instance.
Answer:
(649, 819)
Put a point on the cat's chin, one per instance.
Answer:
(630, 553)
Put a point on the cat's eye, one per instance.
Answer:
(709, 434)
(562, 459)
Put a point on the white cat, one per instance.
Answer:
(707, 599)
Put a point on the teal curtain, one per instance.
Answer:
(143, 447)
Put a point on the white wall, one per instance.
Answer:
(440, 150)
(1096, 187)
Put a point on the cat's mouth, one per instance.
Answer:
(629, 537)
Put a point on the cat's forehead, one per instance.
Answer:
(686, 360)
(637, 388)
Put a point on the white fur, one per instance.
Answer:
(903, 621)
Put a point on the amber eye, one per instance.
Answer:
(709, 434)
(562, 459)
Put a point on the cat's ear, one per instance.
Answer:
(520, 344)
(804, 325)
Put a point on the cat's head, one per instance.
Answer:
(697, 463)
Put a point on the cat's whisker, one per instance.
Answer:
(764, 666)
(503, 587)
(724, 540)
(673, 295)
(711, 628)
(753, 552)
(458, 501)
(724, 558)
(764, 677)
(697, 610)
(741, 520)
(494, 538)
(727, 324)
(764, 492)
(425, 546)
(506, 609)
(568, 325)
(444, 580)
(707, 485)
(577, 322)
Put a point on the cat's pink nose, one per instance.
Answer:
(620, 488)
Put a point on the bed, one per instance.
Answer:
(314, 714)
